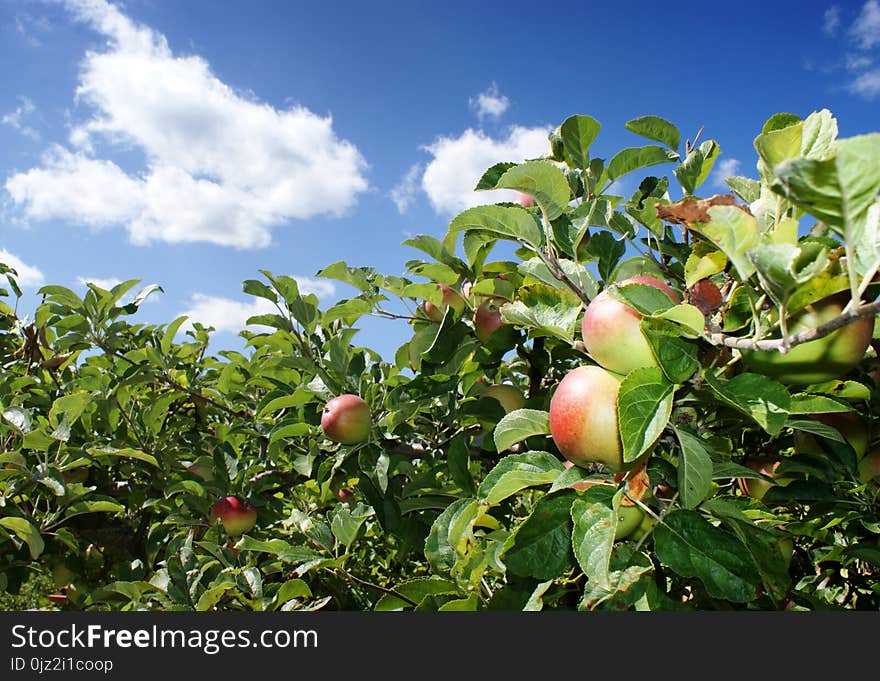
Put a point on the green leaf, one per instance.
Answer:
(451, 535)
(635, 158)
(127, 452)
(457, 459)
(210, 597)
(735, 232)
(170, 332)
(291, 589)
(93, 506)
(19, 418)
(519, 425)
(542, 180)
(259, 289)
(415, 590)
(757, 396)
(641, 297)
(467, 604)
(686, 316)
(546, 311)
(537, 270)
(70, 407)
(783, 267)
(746, 188)
(490, 178)
(27, 532)
(695, 168)
(692, 547)
(510, 222)
(349, 310)
(657, 129)
(286, 552)
(359, 277)
(594, 525)
(694, 469)
(578, 135)
(644, 405)
(603, 247)
(704, 261)
(517, 472)
(625, 572)
(541, 546)
(345, 523)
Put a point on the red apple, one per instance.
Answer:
(487, 320)
(766, 465)
(612, 334)
(583, 417)
(344, 494)
(237, 515)
(346, 419)
(525, 200)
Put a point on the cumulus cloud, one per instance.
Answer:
(28, 275)
(866, 28)
(105, 283)
(867, 84)
(16, 119)
(226, 314)
(404, 193)
(490, 103)
(221, 167)
(459, 162)
(725, 168)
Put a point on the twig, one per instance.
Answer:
(390, 592)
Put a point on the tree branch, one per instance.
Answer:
(783, 345)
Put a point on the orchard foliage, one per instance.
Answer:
(117, 438)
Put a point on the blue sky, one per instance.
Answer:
(192, 144)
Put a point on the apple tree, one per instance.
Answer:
(606, 402)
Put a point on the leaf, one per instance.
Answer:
(746, 188)
(510, 222)
(257, 288)
(127, 452)
(349, 310)
(783, 267)
(519, 425)
(546, 311)
(578, 134)
(170, 332)
(625, 572)
(694, 469)
(644, 405)
(288, 553)
(467, 604)
(544, 181)
(686, 316)
(19, 418)
(27, 532)
(516, 472)
(490, 178)
(594, 525)
(359, 277)
(692, 547)
(451, 535)
(704, 261)
(345, 523)
(757, 396)
(457, 458)
(657, 129)
(93, 506)
(603, 247)
(735, 232)
(536, 269)
(635, 158)
(541, 546)
(694, 170)
(415, 590)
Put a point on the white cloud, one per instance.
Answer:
(857, 62)
(867, 84)
(831, 20)
(459, 163)
(105, 283)
(15, 119)
(226, 314)
(220, 167)
(866, 28)
(723, 169)
(28, 275)
(490, 103)
(404, 193)
(31, 28)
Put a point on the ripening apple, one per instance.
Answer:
(583, 417)
(869, 466)
(487, 320)
(510, 397)
(850, 425)
(629, 519)
(202, 470)
(346, 419)
(766, 465)
(643, 528)
(820, 360)
(525, 200)
(237, 515)
(611, 330)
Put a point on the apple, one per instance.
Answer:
(851, 426)
(202, 470)
(611, 331)
(525, 200)
(432, 312)
(869, 466)
(643, 528)
(820, 360)
(766, 465)
(344, 493)
(237, 515)
(508, 395)
(487, 320)
(583, 417)
(346, 419)
(629, 519)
